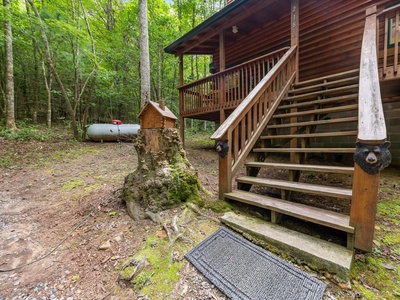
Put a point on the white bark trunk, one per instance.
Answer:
(144, 53)
(9, 69)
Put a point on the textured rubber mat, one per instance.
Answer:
(242, 270)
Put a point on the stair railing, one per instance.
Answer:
(371, 133)
(226, 89)
(391, 23)
(240, 131)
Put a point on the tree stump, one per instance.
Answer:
(164, 177)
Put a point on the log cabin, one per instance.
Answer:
(298, 79)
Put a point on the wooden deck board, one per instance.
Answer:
(324, 85)
(317, 111)
(306, 150)
(315, 189)
(302, 167)
(345, 89)
(315, 123)
(320, 101)
(304, 212)
(311, 135)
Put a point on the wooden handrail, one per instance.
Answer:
(244, 107)
(241, 130)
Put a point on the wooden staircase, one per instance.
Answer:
(308, 191)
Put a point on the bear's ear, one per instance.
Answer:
(386, 144)
(359, 144)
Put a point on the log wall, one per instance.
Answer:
(330, 36)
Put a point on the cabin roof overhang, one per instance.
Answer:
(190, 43)
(246, 15)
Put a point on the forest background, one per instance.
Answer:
(93, 46)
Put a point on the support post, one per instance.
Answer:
(294, 41)
(221, 80)
(181, 101)
(225, 170)
(363, 207)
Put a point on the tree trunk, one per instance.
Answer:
(144, 53)
(164, 177)
(55, 73)
(47, 83)
(35, 86)
(9, 69)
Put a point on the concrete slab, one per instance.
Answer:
(318, 254)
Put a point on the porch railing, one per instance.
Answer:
(226, 89)
(372, 132)
(243, 127)
(389, 18)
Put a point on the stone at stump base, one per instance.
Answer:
(164, 177)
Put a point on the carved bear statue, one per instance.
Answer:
(372, 159)
(222, 148)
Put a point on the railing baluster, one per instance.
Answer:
(396, 43)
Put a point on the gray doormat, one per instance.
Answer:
(242, 270)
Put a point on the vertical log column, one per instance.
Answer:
(181, 101)
(363, 207)
(225, 163)
(221, 83)
(294, 157)
(225, 167)
(371, 131)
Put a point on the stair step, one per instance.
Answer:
(310, 135)
(306, 150)
(346, 74)
(317, 111)
(320, 101)
(327, 84)
(315, 123)
(302, 187)
(340, 90)
(302, 167)
(318, 254)
(304, 212)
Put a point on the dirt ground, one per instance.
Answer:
(64, 232)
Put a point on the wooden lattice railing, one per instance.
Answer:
(390, 19)
(226, 89)
(371, 132)
(243, 127)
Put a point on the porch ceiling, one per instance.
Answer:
(245, 14)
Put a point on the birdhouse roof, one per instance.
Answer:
(163, 112)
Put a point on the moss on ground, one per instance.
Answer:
(159, 278)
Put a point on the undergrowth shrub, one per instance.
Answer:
(26, 131)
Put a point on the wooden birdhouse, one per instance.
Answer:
(156, 115)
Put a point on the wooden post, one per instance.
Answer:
(221, 79)
(363, 207)
(225, 169)
(371, 131)
(181, 101)
(295, 32)
(294, 41)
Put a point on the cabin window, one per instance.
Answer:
(392, 26)
(392, 32)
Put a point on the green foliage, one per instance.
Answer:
(26, 131)
(114, 32)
